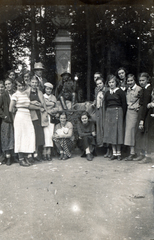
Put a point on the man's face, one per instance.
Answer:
(38, 72)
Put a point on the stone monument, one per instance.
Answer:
(62, 40)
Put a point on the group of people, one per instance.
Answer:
(32, 125)
(126, 116)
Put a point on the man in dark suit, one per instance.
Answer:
(38, 69)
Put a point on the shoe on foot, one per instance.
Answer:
(49, 158)
(23, 163)
(119, 158)
(30, 160)
(61, 156)
(139, 158)
(83, 155)
(130, 157)
(145, 160)
(89, 157)
(113, 157)
(65, 157)
(38, 159)
(8, 161)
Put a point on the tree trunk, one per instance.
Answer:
(33, 37)
(88, 53)
(5, 58)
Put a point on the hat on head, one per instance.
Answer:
(38, 65)
(66, 74)
(47, 84)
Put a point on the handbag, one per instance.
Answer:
(44, 119)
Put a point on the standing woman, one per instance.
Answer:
(23, 128)
(142, 138)
(100, 110)
(64, 137)
(132, 97)
(115, 104)
(7, 136)
(37, 106)
(121, 76)
(50, 101)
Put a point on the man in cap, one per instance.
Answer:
(66, 90)
(38, 70)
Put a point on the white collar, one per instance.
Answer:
(113, 91)
(132, 88)
(147, 85)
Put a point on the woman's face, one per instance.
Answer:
(1, 88)
(34, 83)
(130, 82)
(143, 81)
(20, 87)
(99, 84)
(62, 119)
(27, 79)
(12, 75)
(8, 85)
(48, 90)
(112, 83)
(121, 74)
(96, 75)
(84, 119)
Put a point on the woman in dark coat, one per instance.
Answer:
(143, 124)
(115, 105)
(7, 136)
(87, 133)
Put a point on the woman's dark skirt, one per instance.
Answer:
(113, 127)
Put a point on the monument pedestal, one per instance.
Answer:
(63, 43)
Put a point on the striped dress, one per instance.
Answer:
(23, 127)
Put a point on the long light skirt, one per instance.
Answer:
(48, 133)
(24, 132)
(130, 130)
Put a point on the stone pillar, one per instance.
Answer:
(63, 43)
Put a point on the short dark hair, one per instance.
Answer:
(84, 114)
(1, 82)
(111, 76)
(63, 113)
(121, 68)
(21, 81)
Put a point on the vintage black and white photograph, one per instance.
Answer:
(76, 120)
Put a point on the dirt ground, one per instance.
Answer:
(77, 200)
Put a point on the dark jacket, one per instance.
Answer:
(4, 108)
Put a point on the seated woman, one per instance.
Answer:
(63, 137)
(86, 131)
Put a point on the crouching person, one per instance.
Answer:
(63, 137)
(86, 132)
